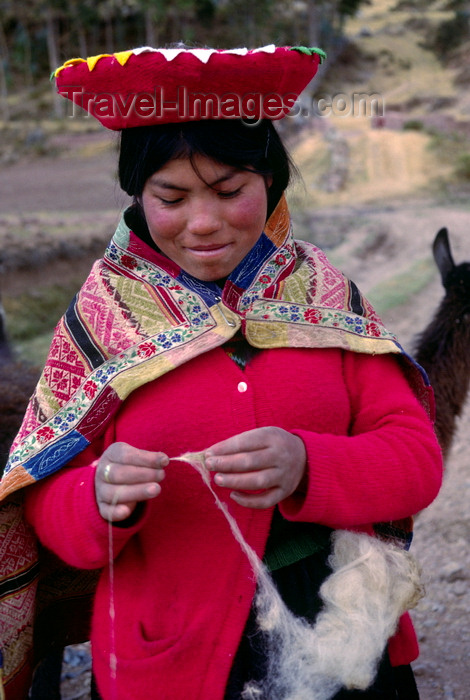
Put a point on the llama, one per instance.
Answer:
(442, 348)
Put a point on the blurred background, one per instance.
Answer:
(382, 142)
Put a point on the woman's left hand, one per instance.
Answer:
(261, 467)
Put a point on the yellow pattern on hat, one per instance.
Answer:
(93, 60)
(70, 62)
(123, 56)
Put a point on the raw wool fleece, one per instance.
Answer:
(371, 585)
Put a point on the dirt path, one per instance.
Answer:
(382, 243)
(442, 545)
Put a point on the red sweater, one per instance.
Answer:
(183, 587)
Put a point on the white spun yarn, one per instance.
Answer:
(371, 585)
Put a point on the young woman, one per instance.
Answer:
(208, 328)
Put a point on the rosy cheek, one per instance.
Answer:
(162, 223)
(251, 210)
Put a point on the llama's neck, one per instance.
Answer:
(443, 352)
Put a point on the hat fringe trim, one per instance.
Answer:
(202, 55)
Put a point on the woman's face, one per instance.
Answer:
(206, 218)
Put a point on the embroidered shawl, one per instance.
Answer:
(138, 316)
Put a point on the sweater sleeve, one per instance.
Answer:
(388, 467)
(63, 511)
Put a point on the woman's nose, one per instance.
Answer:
(203, 218)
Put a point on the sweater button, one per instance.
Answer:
(243, 386)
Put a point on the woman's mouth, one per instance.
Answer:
(208, 251)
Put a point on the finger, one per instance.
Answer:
(242, 442)
(113, 495)
(266, 499)
(250, 481)
(113, 473)
(241, 462)
(115, 513)
(123, 453)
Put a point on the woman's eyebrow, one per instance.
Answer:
(167, 185)
(222, 178)
(164, 184)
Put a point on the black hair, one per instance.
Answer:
(256, 147)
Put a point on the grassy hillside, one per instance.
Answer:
(422, 143)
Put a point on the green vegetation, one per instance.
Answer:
(34, 351)
(37, 311)
(452, 149)
(414, 125)
(35, 315)
(398, 290)
(462, 167)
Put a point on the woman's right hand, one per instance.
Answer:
(126, 476)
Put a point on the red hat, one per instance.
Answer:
(156, 86)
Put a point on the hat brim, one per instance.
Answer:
(157, 86)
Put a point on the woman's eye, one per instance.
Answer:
(228, 195)
(169, 202)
